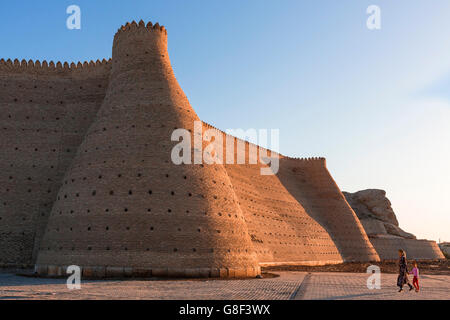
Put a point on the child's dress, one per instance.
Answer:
(415, 272)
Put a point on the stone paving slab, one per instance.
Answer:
(351, 286)
(289, 285)
(281, 288)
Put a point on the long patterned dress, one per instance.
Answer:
(403, 272)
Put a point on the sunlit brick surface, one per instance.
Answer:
(87, 179)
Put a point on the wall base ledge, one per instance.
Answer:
(300, 263)
(104, 272)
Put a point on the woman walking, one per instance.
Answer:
(403, 271)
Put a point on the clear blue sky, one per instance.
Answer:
(376, 104)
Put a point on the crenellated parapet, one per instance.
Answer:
(309, 159)
(134, 30)
(309, 162)
(247, 144)
(134, 26)
(9, 67)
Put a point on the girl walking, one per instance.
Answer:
(415, 272)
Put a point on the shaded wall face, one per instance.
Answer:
(44, 115)
(312, 185)
(279, 226)
(298, 215)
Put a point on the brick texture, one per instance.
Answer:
(87, 179)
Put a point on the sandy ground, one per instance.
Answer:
(426, 267)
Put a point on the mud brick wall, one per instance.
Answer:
(45, 112)
(124, 203)
(298, 215)
(87, 179)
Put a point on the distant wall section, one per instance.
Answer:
(388, 248)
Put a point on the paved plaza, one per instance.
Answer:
(288, 286)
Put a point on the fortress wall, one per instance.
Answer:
(45, 110)
(124, 207)
(87, 161)
(321, 199)
(279, 226)
(319, 194)
(387, 248)
(280, 229)
(287, 214)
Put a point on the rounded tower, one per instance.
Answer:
(124, 209)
